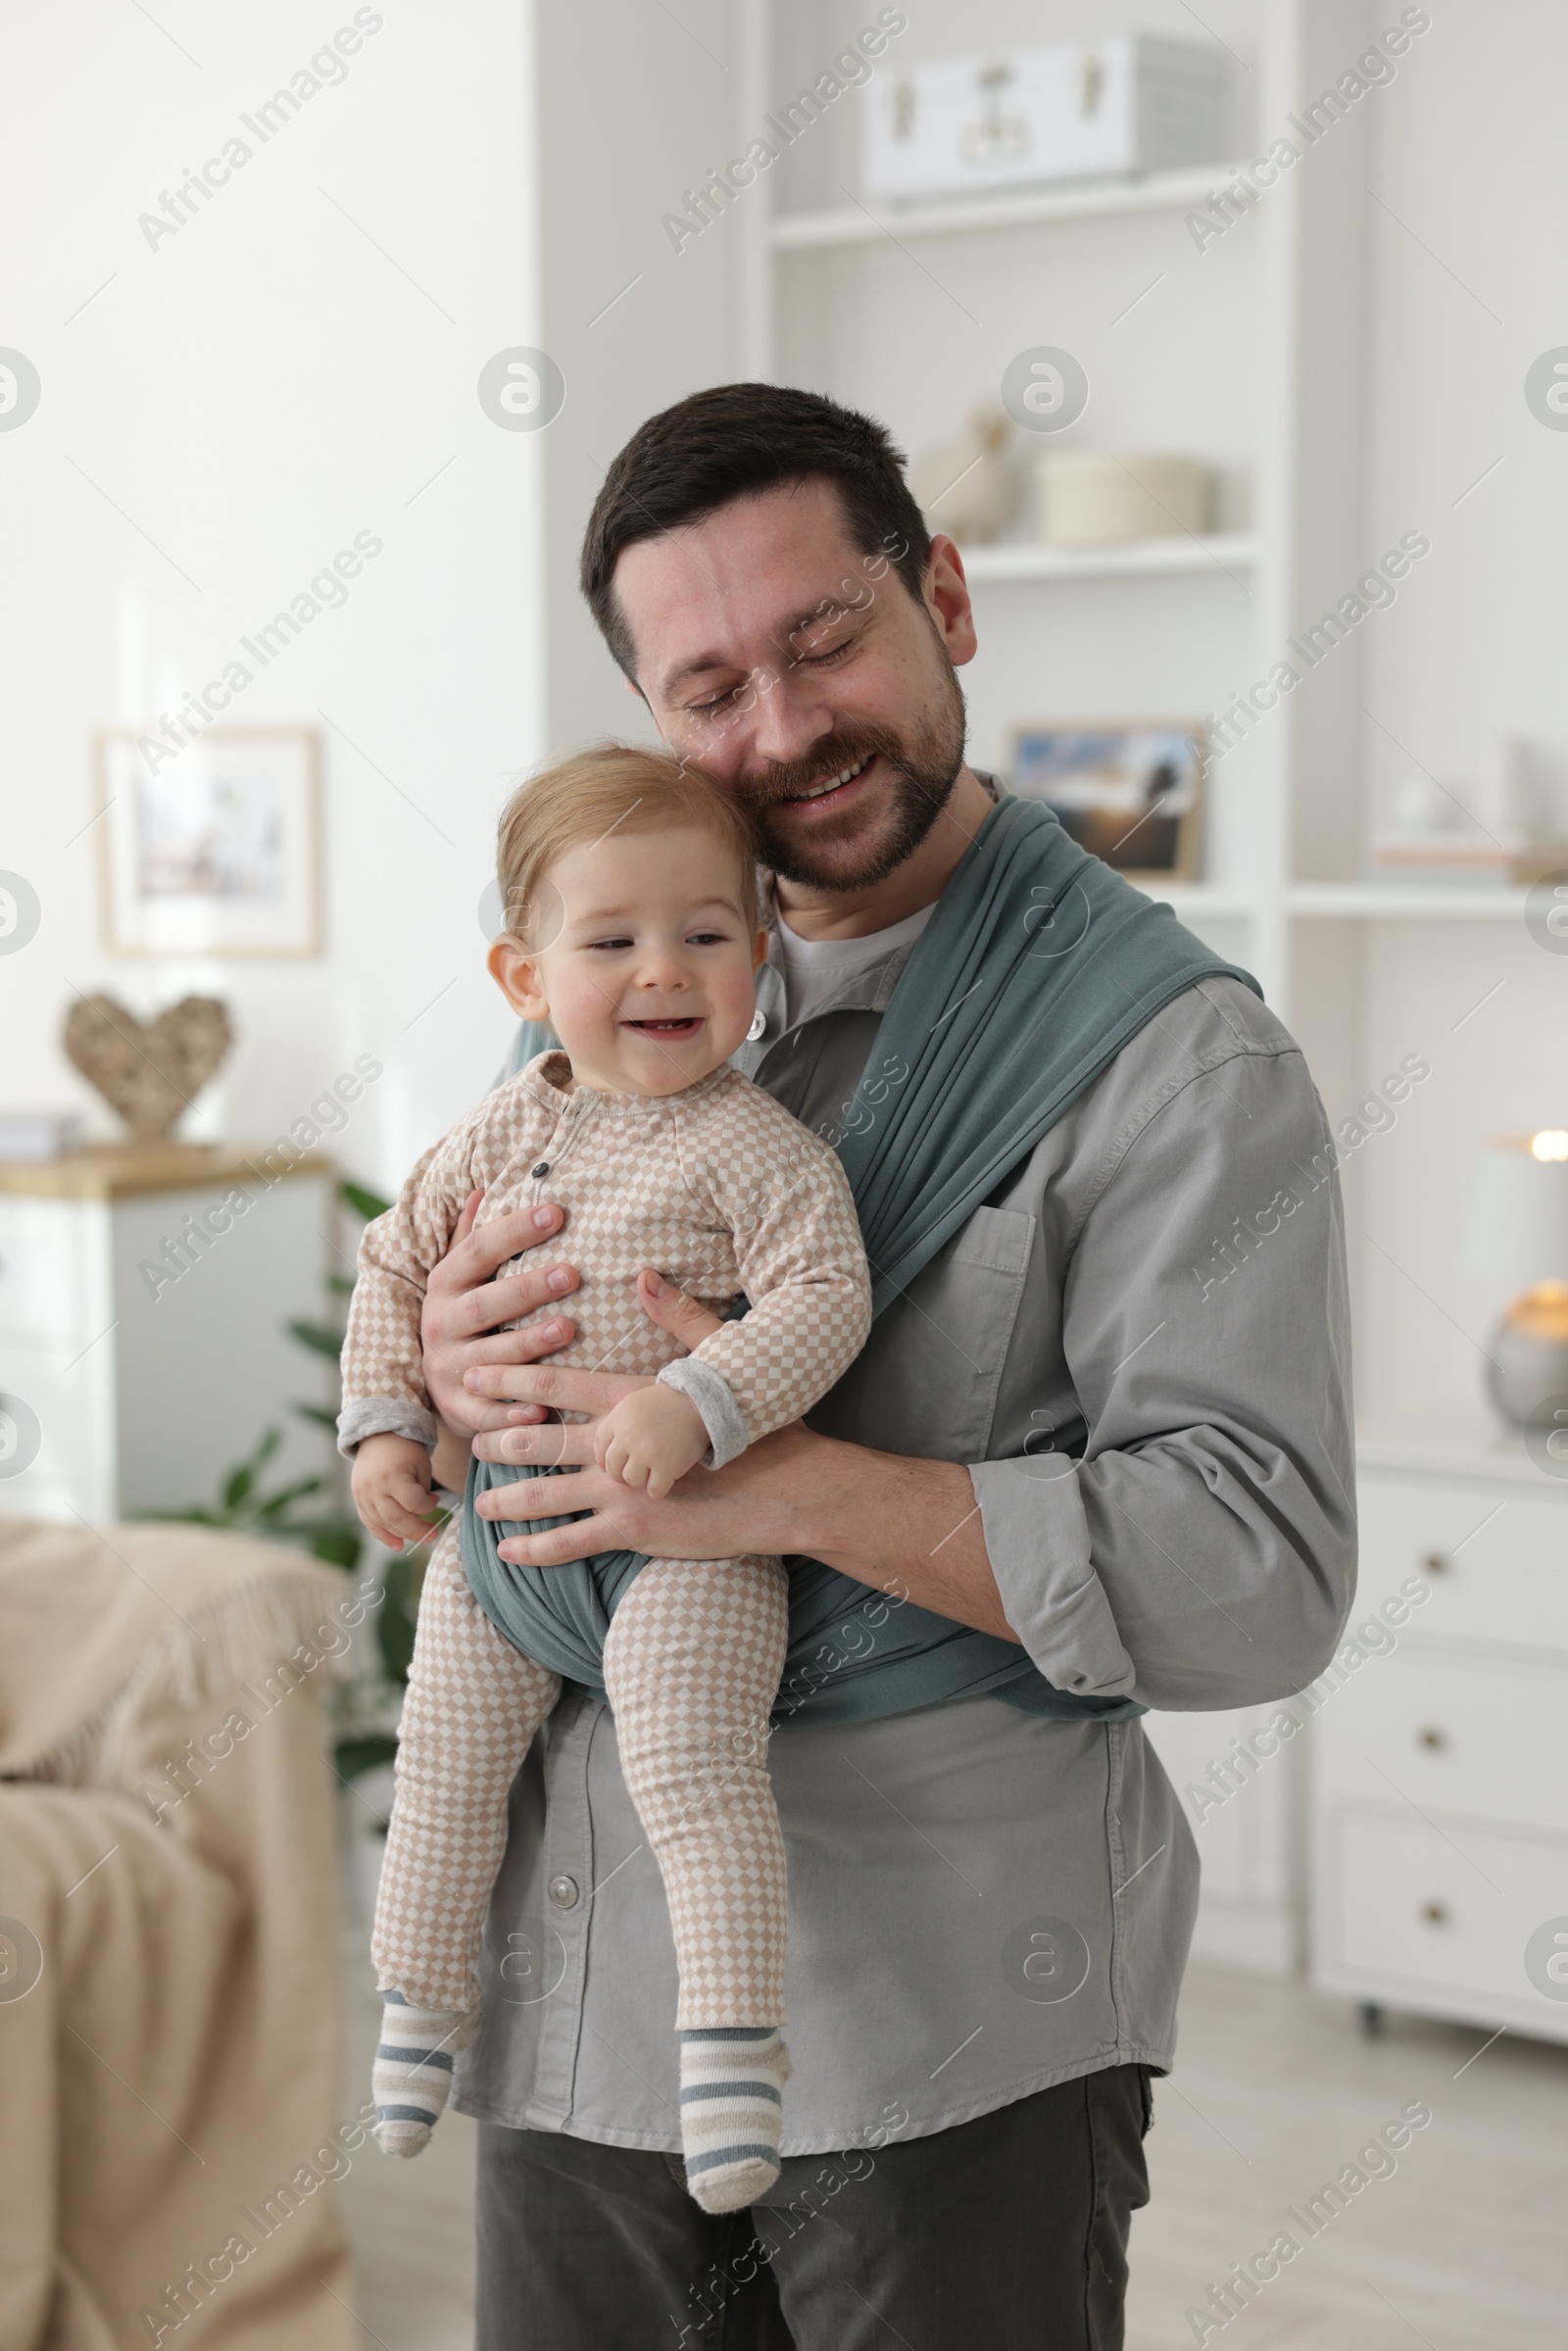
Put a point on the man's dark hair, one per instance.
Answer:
(738, 441)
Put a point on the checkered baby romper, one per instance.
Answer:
(722, 1191)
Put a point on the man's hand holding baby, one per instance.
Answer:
(650, 1439)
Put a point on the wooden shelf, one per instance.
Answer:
(1140, 558)
(1406, 902)
(1096, 199)
(123, 1170)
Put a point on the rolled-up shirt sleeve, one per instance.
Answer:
(1190, 1538)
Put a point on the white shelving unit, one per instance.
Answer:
(1251, 353)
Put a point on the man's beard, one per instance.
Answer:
(925, 764)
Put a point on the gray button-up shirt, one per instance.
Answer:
(1140, 1349)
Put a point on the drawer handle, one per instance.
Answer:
(1434, 1914)
(1436, 1564)
(1431, 1738)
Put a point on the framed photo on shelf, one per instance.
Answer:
(1130, 790)
(212, 850)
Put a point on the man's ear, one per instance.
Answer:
(517, 975)
(947, 599)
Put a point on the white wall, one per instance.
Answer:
(249, 395)
(267, 382)
(635, 110)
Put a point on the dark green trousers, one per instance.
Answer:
(1010, 2232)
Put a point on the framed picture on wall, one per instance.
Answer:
(212, 850)
(1129, 790)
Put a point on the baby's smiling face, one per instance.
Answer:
(641, 958)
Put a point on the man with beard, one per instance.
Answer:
(1095, 1457)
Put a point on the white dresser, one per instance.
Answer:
(142, 1342)
(1439, 1767)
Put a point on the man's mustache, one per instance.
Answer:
(787, 780)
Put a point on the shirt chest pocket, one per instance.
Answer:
(926, 1382)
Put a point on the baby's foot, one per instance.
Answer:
(732, 2081)
(413, 2073)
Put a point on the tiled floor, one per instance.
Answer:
(1465, 2248)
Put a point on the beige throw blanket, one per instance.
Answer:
(168, 1945)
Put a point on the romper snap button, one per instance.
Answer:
(540, 1167)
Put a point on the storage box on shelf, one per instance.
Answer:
(143, 1323)
(1440, 1770)
(1127, 102)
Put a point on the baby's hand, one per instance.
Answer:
(391, 1488)
(650, 1439)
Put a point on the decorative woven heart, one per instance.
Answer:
(147, 1071)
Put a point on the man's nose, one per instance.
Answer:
(789, 715)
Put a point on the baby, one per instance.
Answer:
(634, 931)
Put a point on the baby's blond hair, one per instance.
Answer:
(615, 787)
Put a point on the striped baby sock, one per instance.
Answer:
(732, 2081)
(413, 2072)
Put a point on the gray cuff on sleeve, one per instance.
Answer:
(1037, 1537)
(722, 1415)
(374, 1416)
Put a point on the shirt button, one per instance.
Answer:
(758, 1025)
(562, 1892)
(540, 1167)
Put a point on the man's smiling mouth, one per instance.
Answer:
(834, 783)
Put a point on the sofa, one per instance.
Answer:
(170, 1969)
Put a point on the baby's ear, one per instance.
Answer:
(517, 975)
(760, 950)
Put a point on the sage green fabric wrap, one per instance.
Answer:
(1036, 968)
